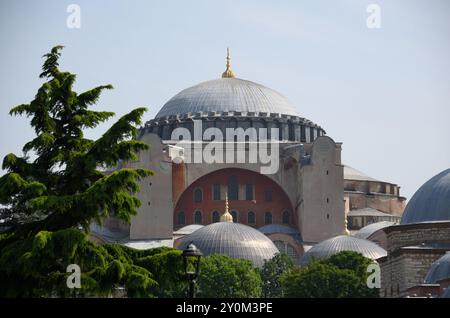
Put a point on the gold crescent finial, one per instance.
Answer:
(228, 72)
(226, 216)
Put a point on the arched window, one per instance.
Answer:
(215, 217)
(198, 217)
(249, 191)
(198, 195)
(251, 217)
(234, 214)
(233, 188)
(216, 191)
(268, 194)
(268, 218)
(181, 218)
(286, 217)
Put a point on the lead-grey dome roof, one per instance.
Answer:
(227, 94)
(342, 243)
(368, 230)
(431, 202)
(439, 270)
(232, 239)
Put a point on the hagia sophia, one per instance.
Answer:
(313, 205)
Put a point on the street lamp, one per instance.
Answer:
(192, 252)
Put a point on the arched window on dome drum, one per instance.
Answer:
(198, 217)
(233, 188)
(215, 217)
(198, 195)
(268, 218)
(251, 217)
(234, 214)
(181, 219)
(286, 217)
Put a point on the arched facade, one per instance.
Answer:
(249, 203)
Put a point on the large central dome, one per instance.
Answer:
(228, 94)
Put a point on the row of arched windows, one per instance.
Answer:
(251, 217)
(232, 191)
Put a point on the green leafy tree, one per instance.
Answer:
(51, 194)
(271, 274)
(343, 275)
(224, 277)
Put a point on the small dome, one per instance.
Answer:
(431, 202)
(368, 230)
(439, 270)
(342, 243)
(188, 229)
(232, 239)
(277, 228)
(351, 173)
(227, 94)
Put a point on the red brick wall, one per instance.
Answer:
(280, 201)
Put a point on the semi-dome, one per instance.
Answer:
(227, 95)
(368, 230)
(232, 239)
(342, 243)
(431, 202)
(439, 270)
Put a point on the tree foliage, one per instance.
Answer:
(343, 275)
(59, 186)
(271, 274)
(224, 277)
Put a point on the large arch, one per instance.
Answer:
(259, 205)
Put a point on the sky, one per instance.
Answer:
(383, 92)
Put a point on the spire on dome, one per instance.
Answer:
(228, 72)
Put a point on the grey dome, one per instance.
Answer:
(341, 243)
(431, 202)
(227, 94)
(232, 239)
(277, 228)
(188, 229)
(439, 270)
(368, 230)
(446, 293)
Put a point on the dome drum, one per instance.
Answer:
(291, 128)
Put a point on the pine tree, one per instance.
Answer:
(51, 194)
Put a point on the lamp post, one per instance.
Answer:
(192, 252)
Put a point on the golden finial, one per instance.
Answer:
(226, 216)
(228, 72)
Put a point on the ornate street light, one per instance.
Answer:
(192, 252)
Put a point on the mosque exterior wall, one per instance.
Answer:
(412, 248)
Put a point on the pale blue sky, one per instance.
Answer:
(384, 93)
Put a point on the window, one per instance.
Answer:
(268, 218)
(198, 195)
(181, 218)
(251, 217)
(234, 214)
(233, 189)
(198, 217)
(249, 191)
(286, 217)
(215, 217)
(216, 191)
(268, 195)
